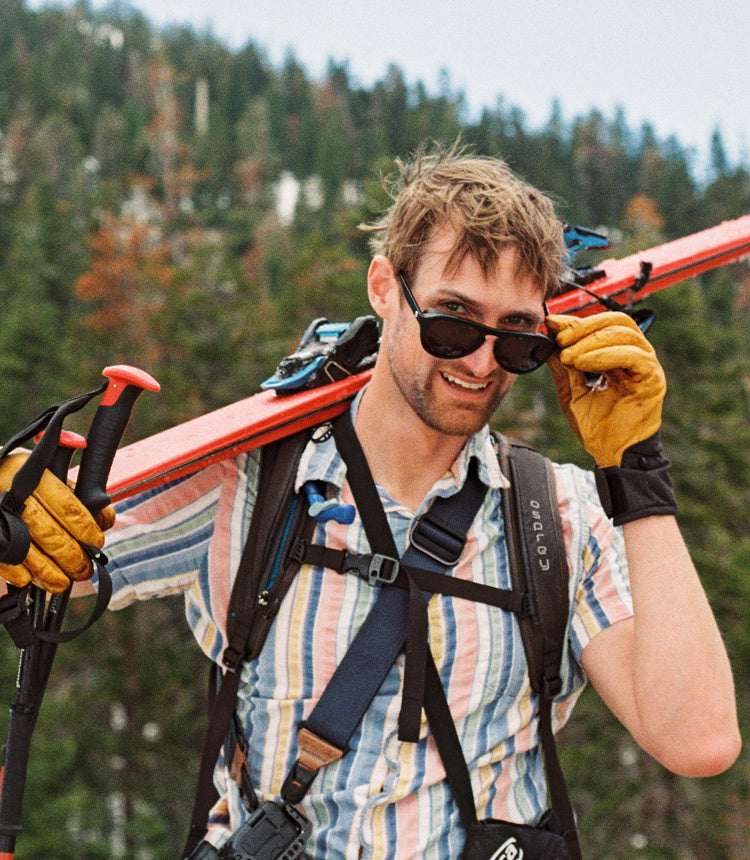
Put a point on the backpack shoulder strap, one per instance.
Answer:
(266, 569)
(537, 558)
(264, 575)
(538, 565)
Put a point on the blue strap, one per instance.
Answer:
(363, 669)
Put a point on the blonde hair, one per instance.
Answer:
(488, 206)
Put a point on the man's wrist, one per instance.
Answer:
(640, 486)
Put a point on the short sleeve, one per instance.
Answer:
(599, 586)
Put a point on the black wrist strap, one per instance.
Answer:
(640, 487)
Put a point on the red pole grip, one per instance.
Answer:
(105, 433)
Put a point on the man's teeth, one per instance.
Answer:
(469, 386)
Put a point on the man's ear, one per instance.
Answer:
(382, 286)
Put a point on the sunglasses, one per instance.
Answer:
(447, 336)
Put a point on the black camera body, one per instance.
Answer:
(272, 832)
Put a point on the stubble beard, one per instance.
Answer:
(418, 391)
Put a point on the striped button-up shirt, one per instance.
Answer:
(384, 798)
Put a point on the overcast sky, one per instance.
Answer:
(682, 66)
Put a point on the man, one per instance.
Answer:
(467, 239)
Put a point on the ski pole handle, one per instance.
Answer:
(105, 433)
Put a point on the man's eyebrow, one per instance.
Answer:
(530, 317)
(444, 293)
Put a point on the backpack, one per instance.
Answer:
(279, 542)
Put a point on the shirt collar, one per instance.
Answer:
(321, 461)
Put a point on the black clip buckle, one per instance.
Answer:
(298, 550)
(297, 783)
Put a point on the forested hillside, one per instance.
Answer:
(170, 203)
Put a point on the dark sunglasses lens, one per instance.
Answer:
(444, 337)
(447, 338)
(522, 353)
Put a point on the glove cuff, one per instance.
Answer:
(640, 487)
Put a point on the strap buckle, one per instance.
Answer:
(382, 570)
(297, 783)
(374, 568)
(436, 538)
(314, 752)
(298, 550)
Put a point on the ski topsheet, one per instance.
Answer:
(225, 432)
(638, 275)
(263, 417)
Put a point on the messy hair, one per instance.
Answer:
(488, 206)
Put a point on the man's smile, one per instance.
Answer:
(462, 383)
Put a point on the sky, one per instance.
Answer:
(681, 66)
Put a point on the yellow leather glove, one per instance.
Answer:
(58, 524)
(627, 408)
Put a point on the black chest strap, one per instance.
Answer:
(376, 569)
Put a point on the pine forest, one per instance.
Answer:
(172, 204)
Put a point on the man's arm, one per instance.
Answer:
(665, 672)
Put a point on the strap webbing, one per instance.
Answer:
(444, 732)
(206, 795)
(343, 562)
(362, 671)
(538, 564)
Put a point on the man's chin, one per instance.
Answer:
(459, 422)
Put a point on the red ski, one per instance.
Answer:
(263, 417)
(227, 431)
(641, 274)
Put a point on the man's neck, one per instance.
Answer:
(406, 457)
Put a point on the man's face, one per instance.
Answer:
(458, 396)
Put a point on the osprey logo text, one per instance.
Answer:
(540, 538)
(509, 850)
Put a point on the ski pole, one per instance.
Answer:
(25, 706)
(105, 433)
(69, 444)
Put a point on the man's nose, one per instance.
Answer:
(482, 362)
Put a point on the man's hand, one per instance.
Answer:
(58, 524)
(627, 410)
